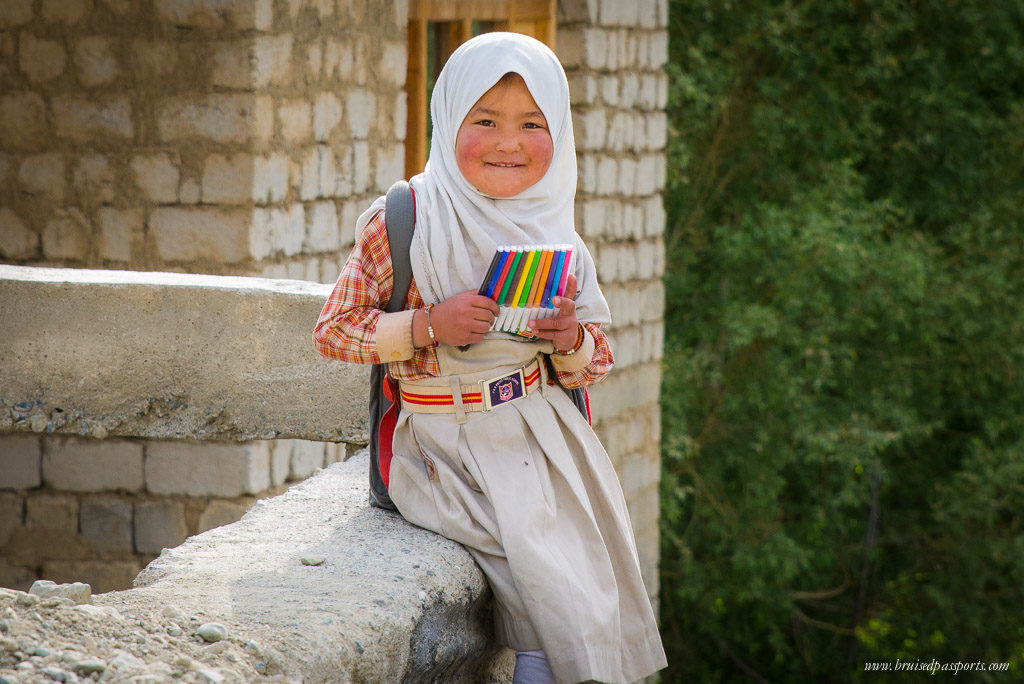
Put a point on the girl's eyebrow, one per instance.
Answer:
(492, 112)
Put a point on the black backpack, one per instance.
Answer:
(400, 220)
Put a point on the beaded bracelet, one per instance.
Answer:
(430, 328)
(575, 347)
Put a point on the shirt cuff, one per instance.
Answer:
(394, 336)
(578, 361)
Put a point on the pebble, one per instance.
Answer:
(172, 613)
(211, 675)
(41, 651)
(56, 674)
(25, 666)
(27, 600)
(212, 631)
(174, 630)
(87, 667)
(313, 560)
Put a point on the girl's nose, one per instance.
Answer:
(508, 143)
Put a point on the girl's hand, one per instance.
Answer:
(563, 329)
(459, 320)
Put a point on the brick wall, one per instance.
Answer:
(215, 136)
(82, 510)
(614, 55)
(245, 137)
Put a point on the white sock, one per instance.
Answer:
(532, 668)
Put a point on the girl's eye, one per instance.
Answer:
(530, 124)
(484, 122)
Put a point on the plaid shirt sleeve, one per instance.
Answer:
(347, 327)
(600, 363)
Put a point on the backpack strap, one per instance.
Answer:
(400, 219)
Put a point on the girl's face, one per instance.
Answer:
(503, 146)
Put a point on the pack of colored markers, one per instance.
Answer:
(522, 281)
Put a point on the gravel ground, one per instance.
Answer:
(47, 639)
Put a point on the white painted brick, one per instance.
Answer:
(653, 340)
(207, 469)
(597, 46)
(350, 212)
(107, 524)
(296, 120)
(157, 175)
(571, 48)
(329, 270)
(657, 131)
(17, 241)
(587, 172)
(41, 60)
(629, 46)
(296, 270)
(589, 127)
(647, 93)
(306, 458)
(208, 233)
(119, 228)
(15, 13)
(270, 178)
(647, 175)
(216, 116)
(22, 120)
(218, 513)
(327, 114)
(630, 88)
(280, 461)
(393, 63)
(611, 93)
(293, 230)
(272, 60)
(607, 175)
(67, 235)
(401, 114)
(326, 179)
(360, 166)
(227, 179)
(311, 269)
(593, 218)
(94, 180)
(652, 301)
(263, 232)
(627, 176)
(657, 44)
(66, 11)
(274, 271)
(159, 525)
(584, 87)
(83, 119)
(390, 166)
(82, 465)
(647, 14)
(95, 60)
(322, 228)
(585, 11)
(20, 458)
(309, 175)
(654, 216)
(153, 59)
(315, 60)
(361, 107)
(43, 175)
(263, 119)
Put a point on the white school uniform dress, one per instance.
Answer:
(527, 486)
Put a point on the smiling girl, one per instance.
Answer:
(525, 485)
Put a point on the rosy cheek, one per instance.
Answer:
(469, 146)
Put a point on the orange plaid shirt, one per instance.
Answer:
(347, 327)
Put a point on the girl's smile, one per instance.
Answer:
(503, 145)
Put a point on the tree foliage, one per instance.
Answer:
(843, 439)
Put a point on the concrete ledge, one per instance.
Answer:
(170, 355)
(389, 603)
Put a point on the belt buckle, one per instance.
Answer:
(503, 389)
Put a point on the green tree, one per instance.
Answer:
(843, 451)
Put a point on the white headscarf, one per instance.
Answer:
(458, 228)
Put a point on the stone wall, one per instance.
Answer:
(216, 136)
(614, 54)
(245, 136)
